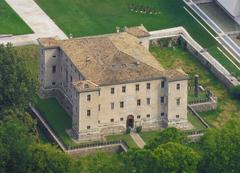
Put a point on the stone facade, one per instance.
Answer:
(152, 98)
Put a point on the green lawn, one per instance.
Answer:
(149, 136)
(10, 22)
(84, 17)
(178, 58)
(125, 137)
(201, 96)
(195, 122)
(56, 116)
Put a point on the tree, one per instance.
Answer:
(17, 85)
(174, 157)
(102, 163)
(24, 117)
(221, 152)
(167, 135)
(45, 158)
(139, 161)
(14, 142)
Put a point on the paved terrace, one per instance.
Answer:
(36, 19)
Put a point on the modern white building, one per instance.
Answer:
(232, 7)
(111, 82)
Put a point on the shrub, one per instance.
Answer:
(138, 129)
(128, 130)
(235, 92)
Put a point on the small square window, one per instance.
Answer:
(148, 86)
(139, 116)
(148, 101)
(54, 69)
(162, 114)
(162, 84)
(88, 97)
(178, 86)
(112, 90)
(88, 127)
(112, 106)
(53, 83)
(123, 89)
(121, 119)
(112, 120)
(177, 116)
(138, 102)
(137, 87)
(162, 99)
(88, 112)
(178, 101)
(148, 115)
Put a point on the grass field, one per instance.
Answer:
(125, 137)
(84, 17)
(10, 22)
(55, 115)
(177, 58)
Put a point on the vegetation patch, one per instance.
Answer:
(10, 22)
(177, 58)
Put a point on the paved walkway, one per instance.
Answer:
(36, 19)
(137, 139)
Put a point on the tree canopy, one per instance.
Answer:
(17, 85)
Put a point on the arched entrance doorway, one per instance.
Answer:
(130, 121)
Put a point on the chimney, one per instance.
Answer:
(196, 85)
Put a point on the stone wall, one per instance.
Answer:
(205, 106)
(113, 148)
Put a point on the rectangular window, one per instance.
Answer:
(162, 99)
(123, 89)
(139, 116)
(148, 86)
(89, 97)
(177, 116)
(148, 101)
(121, 104)
(112, 106)
(121, 119)
(162, 114)
(138, 102)
(137, 87)
(99, 107)
(112, 90)
(71, 79)
(112, 120)
(88, 127)
(178, 101)
(148, 115)
(88, 113)
(54, 68)
(53, 83)
(178, 86)
(162, 84)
